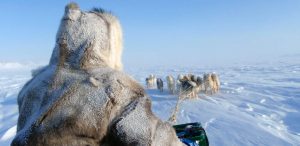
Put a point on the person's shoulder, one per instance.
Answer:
(114, 77)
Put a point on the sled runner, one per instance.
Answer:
(191, 134)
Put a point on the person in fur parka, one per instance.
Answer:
(82, 97)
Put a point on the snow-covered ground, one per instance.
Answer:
(257, 104)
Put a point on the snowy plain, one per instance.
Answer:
(257, 105)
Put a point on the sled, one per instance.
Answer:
(191, 134)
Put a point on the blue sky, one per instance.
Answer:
(164, 32)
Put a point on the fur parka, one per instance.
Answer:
(82, 97)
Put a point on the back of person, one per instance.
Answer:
(82, 97)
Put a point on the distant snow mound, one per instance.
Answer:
(18, 65)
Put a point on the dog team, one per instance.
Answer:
(186, 85)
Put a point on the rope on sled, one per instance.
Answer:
(173, 117)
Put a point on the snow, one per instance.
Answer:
(257, 104)
(17, 65)
(13, 76)
(9, 134)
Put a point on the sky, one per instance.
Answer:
(163, 32)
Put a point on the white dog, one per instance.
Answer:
(216, 82)
(171, 84)
(151, 81)
(199, 85)
(178, 83)
(208, 83)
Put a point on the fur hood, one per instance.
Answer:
(87, 40)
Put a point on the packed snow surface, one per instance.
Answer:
(257, 104)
